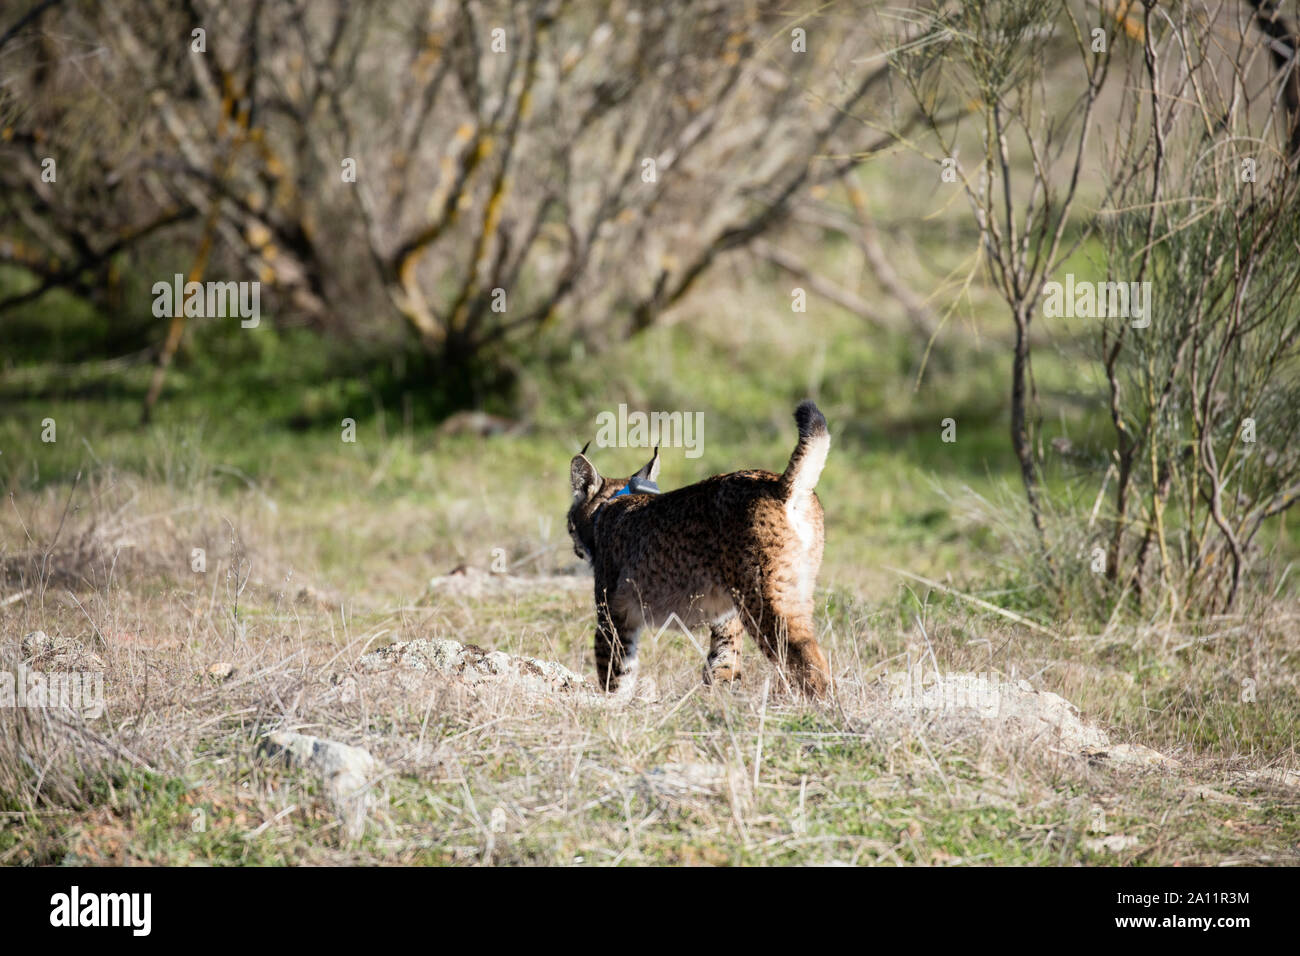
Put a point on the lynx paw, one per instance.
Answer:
(724, 670)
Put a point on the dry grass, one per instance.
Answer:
(679, 774)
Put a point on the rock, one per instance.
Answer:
(1135, 754)
(475, 666)
(1109, 844)
(347, 772)
(36, 643)
(470, 582)
(421, 655)
(1016, 707)
(1277, 776)
(221, 670)
(44, 653)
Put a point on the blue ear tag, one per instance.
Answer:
(637, 486)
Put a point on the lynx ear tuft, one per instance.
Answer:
(650, 470)
(583, 477)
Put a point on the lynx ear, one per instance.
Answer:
(650, 470)
(583, 477)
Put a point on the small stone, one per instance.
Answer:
(36, 643)
(221, 670)
(1110, 844)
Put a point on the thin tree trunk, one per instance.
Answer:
(1021, 442)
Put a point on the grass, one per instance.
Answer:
(502, 777)
(317, 550)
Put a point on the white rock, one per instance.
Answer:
(1015, 706)
(1109, 844)
(348, 773)
(474, 666)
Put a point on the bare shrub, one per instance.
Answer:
(470, 173)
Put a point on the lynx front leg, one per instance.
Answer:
(723, 663)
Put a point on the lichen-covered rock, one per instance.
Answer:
(474, 666)
(45, 653)
(421, 655)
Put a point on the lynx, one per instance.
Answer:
(739, 552)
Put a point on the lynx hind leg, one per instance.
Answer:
(616, 640)
(725, 640)
(807, 665)
(789, 641)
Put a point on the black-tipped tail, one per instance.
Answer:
(809, 456)
(810, 419)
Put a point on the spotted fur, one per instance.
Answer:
(738, 552)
